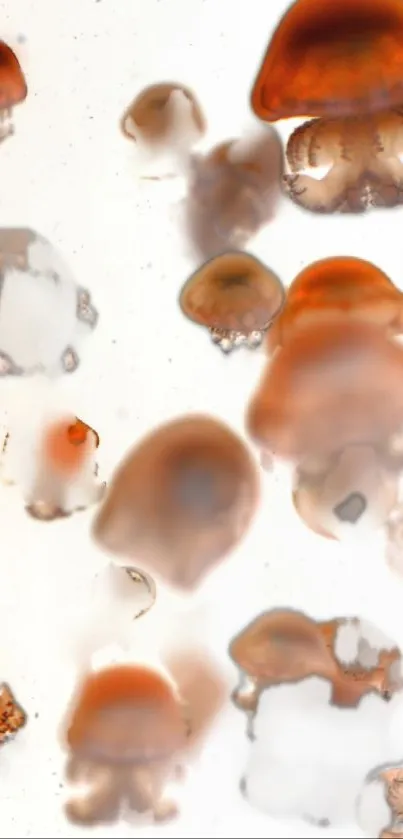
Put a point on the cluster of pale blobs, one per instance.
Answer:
(330, 401)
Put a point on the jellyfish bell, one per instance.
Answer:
(126, 714)
(180, 501)
(332, 59)
(338, 288)
(236, 297)
(165, 118)
(333, 386)
(233, 191)
(352, 497)
(13, 88)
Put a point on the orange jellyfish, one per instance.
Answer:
(339, 62)
(180, 501)
(336, 385)
(287, 646)
(65, 471)
(13, 88)
(338, 288)
(128, 732)
(164, 117)
(233, 192)
(236, 297)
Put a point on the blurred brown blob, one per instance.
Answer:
(12, 716)
(337, 385)
(13, 88)
(128, 735)
(362, 156)
(65, 455)
(181, 500)
(340, 62)
(354, 488)
(338, 288)
(235, 296)
(233, 192)
(286, 646)
(332, 59)
(163, 114)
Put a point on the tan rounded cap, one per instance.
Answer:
(332, 59)
(181, 500)
(126, 714)
(13, 87)
(335, 385)
(151, 114)
(234, 291)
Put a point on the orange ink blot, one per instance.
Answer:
(65, 446)
(236, 297)
(181, 500)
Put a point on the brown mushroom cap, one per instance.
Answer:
(337, 384)
(181, 499)
(234, 291)
(150, 114)
(126, 714)
(334, 58)
(281, 646)
(13, 87)
(341, 286)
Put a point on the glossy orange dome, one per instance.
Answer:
(332, 58)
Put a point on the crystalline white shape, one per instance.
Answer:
(44, 315)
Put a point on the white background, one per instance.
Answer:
(69, 174)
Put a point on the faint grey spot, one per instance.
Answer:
(351, 509)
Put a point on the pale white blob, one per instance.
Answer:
(311, 759)
(346, 642)
(373, 811)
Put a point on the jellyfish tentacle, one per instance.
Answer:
(101, 799)
(325, 195)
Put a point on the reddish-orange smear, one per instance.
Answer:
(332, 58)
(64, 445)
(13, 87)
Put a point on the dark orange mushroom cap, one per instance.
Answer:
(13, 87)
(332, 58)
(126, 713)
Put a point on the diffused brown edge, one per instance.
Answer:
(256, 98)
(201, 688)
(197, 112)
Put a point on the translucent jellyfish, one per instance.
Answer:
(337, 385)
(236, 297)
(44, 315)
(352, 491)
(233, 192)
(342, 63)
(164, 117)
(180, 501)
(129, 732)
(62, 475)
(362, 158)
(338, 287)
(13, 88)
(12, 716)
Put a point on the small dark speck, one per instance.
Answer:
(61, 786)
(113, 339)
(21, 39)
(170, 360)
(36, 716)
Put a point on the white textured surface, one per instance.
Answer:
(69, 174)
